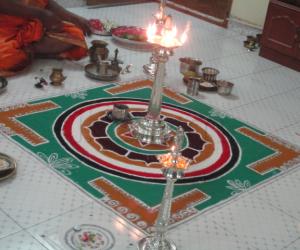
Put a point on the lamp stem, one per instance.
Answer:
(154, 107)
(165, 208)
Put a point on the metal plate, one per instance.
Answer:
(130, 30)
(91, 71)
(207, 86)
(101, 33)
(3, 84)
(89, 237)
(7, 166)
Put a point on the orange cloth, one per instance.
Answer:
(17, 33)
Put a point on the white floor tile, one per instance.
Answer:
(38, 196)
(296, 92)
(283, 194)
(290, 133)
(8, 226)
(20, 241)
(53, 231)
(296, 173)
(270, 114)
(258, 223)
(293, 246)
(247, 63)
(278, 79)
(206, 234)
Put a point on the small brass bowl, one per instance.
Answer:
(224, 87)
(189, 64)
(210, 74)
(120, 112)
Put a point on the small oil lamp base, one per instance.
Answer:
(156, 243)
(150, 131)
(149, 69)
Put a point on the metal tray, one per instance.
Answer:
(207, 86)
(7, 166)
(3, 84)
(91, 71)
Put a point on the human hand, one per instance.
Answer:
(80, 22)
(51, 21)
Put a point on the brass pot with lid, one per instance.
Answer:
(98, 51)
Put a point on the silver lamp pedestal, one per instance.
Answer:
(174, 165)
(151, 129)
(158, 240)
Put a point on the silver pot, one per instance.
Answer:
(193, 86)
(210, 74)
(120, 112)
(224, 87)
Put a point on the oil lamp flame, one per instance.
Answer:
(166, 37)
(151, 32)
(168, 161)
(159, 15)
(183, 37)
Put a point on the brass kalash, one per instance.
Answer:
(163, 34)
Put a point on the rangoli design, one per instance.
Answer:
(74, 135)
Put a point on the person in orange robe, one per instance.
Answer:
(38, 28)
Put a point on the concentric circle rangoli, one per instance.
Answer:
(87, 132)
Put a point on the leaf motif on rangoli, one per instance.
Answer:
(64, 165)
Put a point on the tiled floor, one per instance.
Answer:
(37, 206)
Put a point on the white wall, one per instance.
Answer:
(252, 12)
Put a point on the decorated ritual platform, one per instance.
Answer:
(75, 136)
(84, 180)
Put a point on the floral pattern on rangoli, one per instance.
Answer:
(64, 165)
(238, 186)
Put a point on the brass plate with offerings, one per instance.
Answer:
(102, 72)
(7, 166)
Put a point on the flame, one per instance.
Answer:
(151, 31)
(159, 15)
(169, 37)
(166, 37)
(183, 37)
(168, 161)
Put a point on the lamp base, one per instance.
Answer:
(155, 243)
(150, 131)
(149, 69)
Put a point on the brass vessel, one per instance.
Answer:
(98, 51)
(57, 77)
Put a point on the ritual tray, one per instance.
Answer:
(207, 86)
(91, 72)
(131, 37)
(7, 166)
